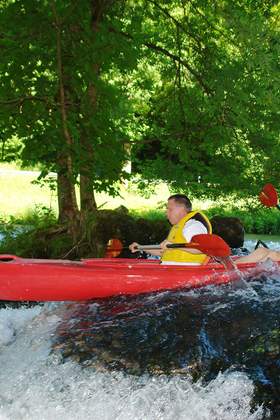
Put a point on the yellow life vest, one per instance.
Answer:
(176, 236)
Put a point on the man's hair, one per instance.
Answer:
(182, 199)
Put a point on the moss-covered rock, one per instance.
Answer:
(56, 241)
(230, 229)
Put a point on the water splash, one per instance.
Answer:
(36, 384)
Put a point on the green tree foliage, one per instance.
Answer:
(61, 92)
(189, 88)
(213, 111)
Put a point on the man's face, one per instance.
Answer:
(175, 211)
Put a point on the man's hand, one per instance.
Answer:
(163, 244)
(134, 247)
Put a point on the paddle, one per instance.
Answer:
(269, 197)
(211, 245)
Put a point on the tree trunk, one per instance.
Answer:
(88, 203)
(67, 201)
(87, 199)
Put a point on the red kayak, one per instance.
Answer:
(23, 279)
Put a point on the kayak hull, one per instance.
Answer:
(23, 279)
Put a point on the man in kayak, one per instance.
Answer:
(185, 224)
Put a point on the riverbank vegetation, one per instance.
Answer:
(32, 230)
(38, 234)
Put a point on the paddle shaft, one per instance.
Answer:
(209, 244)
(179, 245)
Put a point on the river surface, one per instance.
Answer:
(212, 353)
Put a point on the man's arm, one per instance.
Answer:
(134, 247)
(193, 227)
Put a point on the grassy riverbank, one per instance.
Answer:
(25, 202)
(19, 195)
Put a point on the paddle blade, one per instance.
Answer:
(268, 196)
(114, 248)
(211, 245)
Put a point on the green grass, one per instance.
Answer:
(18, 196)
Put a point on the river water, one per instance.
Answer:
(213, 353)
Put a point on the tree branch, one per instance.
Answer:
(176, 22)
(213, 27)
(174, 57)
(184, 63)
(22, 99)
(66, 132)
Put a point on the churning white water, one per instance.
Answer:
(35, 383)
